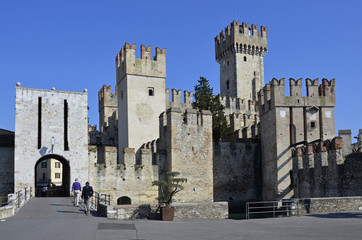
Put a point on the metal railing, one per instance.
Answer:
(98, 198)
(17, 199)
(286, 208)
(4, 200)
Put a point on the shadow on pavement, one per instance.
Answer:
(336, 215)
(64, 205)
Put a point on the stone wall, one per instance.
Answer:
(186, 137)
(288, 120)
(6, 162)
(123, 180)
(320, 170)
(6, 170)
(182, 211)
(329, 205)
(237, 171)
(31, 143)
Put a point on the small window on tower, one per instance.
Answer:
(150, 91)
(227, 84)
(312, 124)
(245, 59)
(227, 63)
(121, 94)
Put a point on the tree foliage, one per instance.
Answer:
(168, 189)
(205, 100)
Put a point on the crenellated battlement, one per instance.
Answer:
(127, 63)
(176, 99)
(320, 169)
(125, 178)
(273, 94)
(242, 120)
(106, 98)
(189, 117)
(241, 38)
(348, 146)
(318, 147)
(238, 105)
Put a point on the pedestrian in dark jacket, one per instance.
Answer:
(87, 193)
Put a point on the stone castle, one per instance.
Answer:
(280, 146)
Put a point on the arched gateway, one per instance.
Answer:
(51, 139)
(54, 175)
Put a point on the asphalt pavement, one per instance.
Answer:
(57, 218)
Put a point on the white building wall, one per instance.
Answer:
(52, 120)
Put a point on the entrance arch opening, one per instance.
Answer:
(124, 200)
(52, 176)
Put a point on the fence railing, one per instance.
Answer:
(286, 208)
(4, 200)
(98, 198)
(18, 198)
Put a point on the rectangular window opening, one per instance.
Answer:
(44, 165)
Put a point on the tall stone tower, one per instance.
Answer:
(107, 107)
(286, 121)
(141, 95)
(239, 50)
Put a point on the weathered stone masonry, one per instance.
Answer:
(39, 116)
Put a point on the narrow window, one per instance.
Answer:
(253, 89)
(57, 175)
(57, 164)
(121, 94)
(227, 63)
(245, 59)
(66, 144)
(44, 177)
(227, 84)
(312, 124)
(39, 122)
(150, 91)
(43, 164)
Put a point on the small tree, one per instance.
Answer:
(168, 189)
(204, 100)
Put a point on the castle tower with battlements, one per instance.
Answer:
(287, 121)
(108, 108)
(141, 95)
(239, 49)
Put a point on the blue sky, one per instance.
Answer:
(71, 45)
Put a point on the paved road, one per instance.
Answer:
(57, 218)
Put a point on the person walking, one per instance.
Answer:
(87, 193)
(76, 188)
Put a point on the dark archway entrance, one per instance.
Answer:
(124, 200)
(48, 187)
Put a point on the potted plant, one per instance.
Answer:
(168, 190)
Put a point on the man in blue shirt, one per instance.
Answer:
(76, 188)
